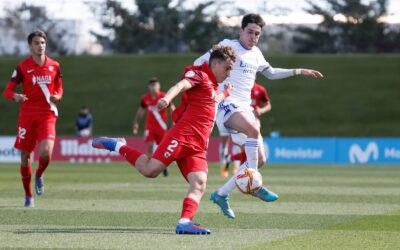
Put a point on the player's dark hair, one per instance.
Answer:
(252, 18)
(223, 53)
(38, 33)
(153, 80)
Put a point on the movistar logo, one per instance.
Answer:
(357, 155)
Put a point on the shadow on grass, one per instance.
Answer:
(94, 230)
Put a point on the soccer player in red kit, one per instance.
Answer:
(261, 104)
(156, 120)
(187, 141)
(40, 80)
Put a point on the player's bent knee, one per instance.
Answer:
(152, 169)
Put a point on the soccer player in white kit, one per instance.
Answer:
(235, 114)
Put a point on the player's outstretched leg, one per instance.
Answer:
(222, 202)
(197, 185)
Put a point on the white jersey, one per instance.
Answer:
(243, 74)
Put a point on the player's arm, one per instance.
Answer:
(181, 86)
(138, 117)
(58, 89)
(278, 73)
(265, 108)
(224, 94)
(9, 93)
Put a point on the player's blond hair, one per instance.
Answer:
(224, 53)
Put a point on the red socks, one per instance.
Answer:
(130, 154)
(42, 166)
(189, 208)
(239, 157)
(26, 173)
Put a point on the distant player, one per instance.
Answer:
(234, 113)
(40, 79)
(187, 141)
(156, 120)
(261, 105)
(84, 122)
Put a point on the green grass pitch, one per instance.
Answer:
(113, 207)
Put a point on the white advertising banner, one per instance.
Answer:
(7, 151)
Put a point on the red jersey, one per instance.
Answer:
(38, 84)
(155, 119)
(196, 113)
(259, 95)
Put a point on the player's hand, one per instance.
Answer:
(257, 111)
(20, 98)
(135, 128)
(311, 72)
(162, 103)
(55, 98)
(228, 88)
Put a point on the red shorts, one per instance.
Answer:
(188, 159)
(34, 128)
(154, 135)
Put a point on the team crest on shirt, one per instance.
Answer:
(190, 73)
(51, 68)
(46, 79)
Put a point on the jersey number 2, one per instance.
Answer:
(170, 149)
(21, 132)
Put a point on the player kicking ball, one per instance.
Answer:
(186, 142)
(40, 79)
(235, 114)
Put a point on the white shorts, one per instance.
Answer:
(225, 111)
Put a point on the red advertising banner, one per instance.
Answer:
(80, 150)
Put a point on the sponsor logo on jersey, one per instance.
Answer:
(29, 71)
(248, 68)
(42, 80)
(357, 155)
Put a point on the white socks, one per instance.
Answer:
(230, 185)
(223, 150)
(118, 146)
(183, 220)
(251, 150)
(235, 150)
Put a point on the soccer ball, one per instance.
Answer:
(248, 181)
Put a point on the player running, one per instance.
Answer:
(156, 120)
(186, 142)
(261, 104)
(234, 113)
(41, 83)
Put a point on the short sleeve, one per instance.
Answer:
(143, 103)
(262, 63)
(195, 77)
(265, 96)
(16, 76)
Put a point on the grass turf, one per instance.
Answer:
(112, 207)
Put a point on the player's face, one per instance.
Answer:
(249, 35)
(221, 69)
(38, 46)
(154, 87)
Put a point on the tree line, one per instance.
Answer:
(165, 26)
